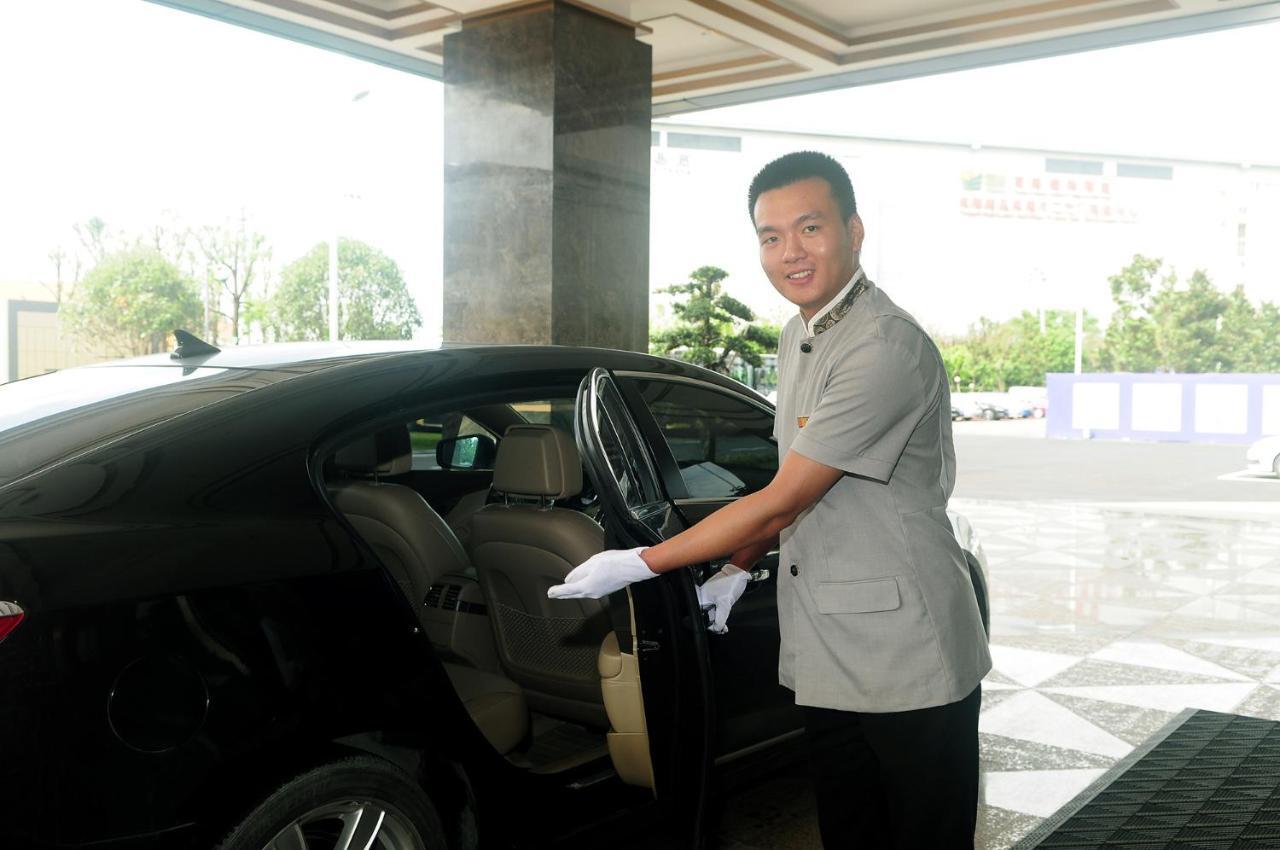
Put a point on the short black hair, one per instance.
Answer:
(803, 165)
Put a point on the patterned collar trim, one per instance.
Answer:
(842, 307)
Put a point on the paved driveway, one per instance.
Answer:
(1128, 581)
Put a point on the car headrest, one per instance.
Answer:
(388, 452)
(537, 460)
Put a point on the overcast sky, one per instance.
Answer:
(139, 114)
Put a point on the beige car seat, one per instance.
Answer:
(408, 536)
(460, 515)
(520, 548)
(418, 548)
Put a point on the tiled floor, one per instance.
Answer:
(1105, 624)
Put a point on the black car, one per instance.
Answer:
(294, 597)
(991, 410)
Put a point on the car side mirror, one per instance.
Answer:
(475, 452)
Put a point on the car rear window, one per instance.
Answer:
(48, 417)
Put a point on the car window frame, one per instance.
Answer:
(668, 466)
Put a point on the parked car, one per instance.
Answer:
(966, 406)
(1264, 456)
(1028, 401)
(993, 410)
(294, 596)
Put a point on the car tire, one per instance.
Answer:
(381, 804)
(989, 415)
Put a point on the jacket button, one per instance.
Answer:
(794, 571)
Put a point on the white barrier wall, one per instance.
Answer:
(1208, 408)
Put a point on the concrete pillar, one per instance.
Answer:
(546, 179)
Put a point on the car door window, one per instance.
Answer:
(723, 445)
(616, 456)
(556, 412)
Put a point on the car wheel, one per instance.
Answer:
(357, 802)
(989, 414)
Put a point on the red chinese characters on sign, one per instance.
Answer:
(1045, 198)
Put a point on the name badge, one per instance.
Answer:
(801, 421)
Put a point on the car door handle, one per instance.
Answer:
(763, 573)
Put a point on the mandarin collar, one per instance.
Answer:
(836, 308)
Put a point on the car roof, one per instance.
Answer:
(289, 356)
(92, 405)
(312, 356)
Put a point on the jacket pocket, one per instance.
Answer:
(857, 597)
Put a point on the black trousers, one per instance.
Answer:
(905, 780)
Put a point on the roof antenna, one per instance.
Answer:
(190, 345)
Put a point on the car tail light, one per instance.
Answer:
(11, 615)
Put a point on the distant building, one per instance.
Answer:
(956, 231)
(32, 340)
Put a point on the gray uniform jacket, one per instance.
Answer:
(876, 609)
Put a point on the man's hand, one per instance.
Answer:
(602, 574)
(720, 592)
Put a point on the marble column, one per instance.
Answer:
(546, 184)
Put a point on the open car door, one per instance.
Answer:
(657, 683)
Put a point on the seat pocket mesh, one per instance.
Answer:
(558, 646)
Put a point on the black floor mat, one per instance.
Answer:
(1206, 781)
(560, 746)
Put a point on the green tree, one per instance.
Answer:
(713, 326)
(1186, 324)
(1130, 341)
(234, 258)
(58, 256)
(373, 301)
(130, 301)
(989, 344)
(1035, 353)
(93, 238)
(1240, 344)
(998, 355)
(958, 361)
(1161, 324)
(1269, 334)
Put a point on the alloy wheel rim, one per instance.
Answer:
(348, 825)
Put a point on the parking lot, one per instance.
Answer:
(1011, 459)
(1128, 581)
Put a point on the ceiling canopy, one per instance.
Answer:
(718, 52)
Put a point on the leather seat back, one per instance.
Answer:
(460, 515)
(520, 548)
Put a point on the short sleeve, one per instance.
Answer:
(874, 398)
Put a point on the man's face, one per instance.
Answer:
(807, 250)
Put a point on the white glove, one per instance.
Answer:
(720, 592)
(602, 574)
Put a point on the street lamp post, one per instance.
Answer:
(1079, 339)
(333, 285)
(333, 241)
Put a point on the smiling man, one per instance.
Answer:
(881, 638)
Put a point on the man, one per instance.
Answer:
(882, 641)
